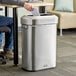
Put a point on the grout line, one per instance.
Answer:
(68, 42)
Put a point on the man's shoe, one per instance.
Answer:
(9, 55)
(1, 48)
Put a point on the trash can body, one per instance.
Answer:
(39, 42)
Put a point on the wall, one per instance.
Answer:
(52, 1)
(2, 12)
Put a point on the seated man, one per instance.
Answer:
(7, 21)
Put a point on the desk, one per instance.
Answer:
(16, 25)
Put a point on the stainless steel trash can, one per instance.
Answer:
(39, 42)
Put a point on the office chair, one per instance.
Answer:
(5, 29)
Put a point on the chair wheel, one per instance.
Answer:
(3, 59)
(4, 62)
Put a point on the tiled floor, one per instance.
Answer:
(66, 59)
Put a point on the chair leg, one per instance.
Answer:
(61, 34)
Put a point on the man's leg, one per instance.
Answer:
(8, 48)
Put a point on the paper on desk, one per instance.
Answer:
(35, 12)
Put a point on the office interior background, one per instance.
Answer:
(66, 52)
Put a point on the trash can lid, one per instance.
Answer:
(39, 20)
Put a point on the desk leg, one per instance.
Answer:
(6, 11)
(15, 36)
